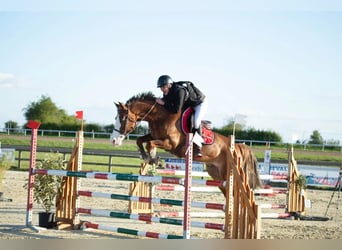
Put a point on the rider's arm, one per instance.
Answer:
(175, 105)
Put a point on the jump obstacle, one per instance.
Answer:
(241, 212)
(68, 210)
(294, 200)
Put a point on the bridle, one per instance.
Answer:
(129, 118)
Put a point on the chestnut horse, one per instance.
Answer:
(166, 133)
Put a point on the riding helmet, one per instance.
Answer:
(163, 80)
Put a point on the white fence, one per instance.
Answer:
(251, 143)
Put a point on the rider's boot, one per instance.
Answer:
(198, 130)
(197, 149)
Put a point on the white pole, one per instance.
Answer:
(187, 185)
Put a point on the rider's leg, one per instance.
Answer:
(200, 111)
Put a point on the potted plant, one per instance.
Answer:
(46, 188)
(301, 182)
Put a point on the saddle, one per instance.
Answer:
(187, 125)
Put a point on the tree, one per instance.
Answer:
(45, 111)
(316, 138)
(333, 142)
(141, 129)
(11, 124)
(248, 134)
(229, 127)
(108, 128)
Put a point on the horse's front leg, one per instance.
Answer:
(152, 159)
(151, 148)
(150, 154)
(163, 144)
(140, 141)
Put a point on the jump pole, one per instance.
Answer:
(187, 186)
(34, 134)
(229, 194)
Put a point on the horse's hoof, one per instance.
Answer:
(159, 163)
(145, 158)
(151, 162)
(156, 161)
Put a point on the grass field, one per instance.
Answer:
(332, 158)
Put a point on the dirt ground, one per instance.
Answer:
(13, 214)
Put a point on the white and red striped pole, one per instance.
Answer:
(187, 186)
(34, 126)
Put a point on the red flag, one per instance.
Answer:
(79, 114)
(33, 124)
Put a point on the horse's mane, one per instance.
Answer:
(146, 96)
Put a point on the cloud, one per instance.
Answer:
(7, 80)
(5, 76)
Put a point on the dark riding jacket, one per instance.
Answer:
(180, 98)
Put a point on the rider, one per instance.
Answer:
(177, 98)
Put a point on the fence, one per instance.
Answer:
(90, 152)
(251, 143)
(61, 133)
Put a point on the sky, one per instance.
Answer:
(279, 64)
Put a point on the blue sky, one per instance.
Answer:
(280, 66)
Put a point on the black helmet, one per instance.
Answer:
(163, 80)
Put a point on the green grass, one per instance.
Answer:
(300, 155)
(66, 142)
(116, 161)
(278, 153)
(89, 143)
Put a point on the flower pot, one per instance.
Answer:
(46, 220)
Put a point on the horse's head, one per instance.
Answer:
(125, 122)
(136, 109)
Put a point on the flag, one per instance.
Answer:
(33, 124)
(79, 115)
(240, 119)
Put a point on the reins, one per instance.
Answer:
(147, 113)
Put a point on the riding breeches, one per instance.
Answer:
(200, 111)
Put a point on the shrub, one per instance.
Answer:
(4, 166)
(46, 187)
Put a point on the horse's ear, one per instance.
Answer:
(117, 104)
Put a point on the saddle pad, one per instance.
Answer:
(207, 134)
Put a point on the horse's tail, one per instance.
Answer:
(257, 182)
(250, 165)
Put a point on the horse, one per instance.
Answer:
(166, 133)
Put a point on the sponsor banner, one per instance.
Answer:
(179, 164)
(315, 175)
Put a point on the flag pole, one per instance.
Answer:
(234, 128)
(240, 119)
(79, 115)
